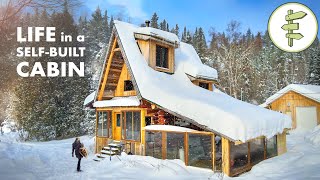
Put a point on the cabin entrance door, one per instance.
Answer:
(117, 127)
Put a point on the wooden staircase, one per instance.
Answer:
(113, 75)
(114, 148)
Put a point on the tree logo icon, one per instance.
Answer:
(293, 27)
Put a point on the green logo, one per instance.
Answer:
(293, 27)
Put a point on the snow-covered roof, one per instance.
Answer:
(89, 99)
(168, 128)
(118, 101)
(192, 64)
(310, 91)
(158, 33)
(175, 93)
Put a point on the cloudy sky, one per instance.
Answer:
(195, 13)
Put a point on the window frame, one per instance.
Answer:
(156, 57)
(109, 124)
(125, 85)
(124, 125)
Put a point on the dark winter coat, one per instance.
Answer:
(76, 149)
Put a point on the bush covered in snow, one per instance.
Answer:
(314, 136)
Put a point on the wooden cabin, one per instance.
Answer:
(156, 98)
(300, 102)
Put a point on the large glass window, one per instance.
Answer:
(161, 56)
(238, 156)
(154, 144)
(218, 151)
(271, 146)
(200, 151)
(175, 146)
(104, 124)
(256, 151)
(100, 121)
(136, 126)
(131, 126)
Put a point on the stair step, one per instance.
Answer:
(107, 152)
(102, 156)
(112, 148)
(114, 144)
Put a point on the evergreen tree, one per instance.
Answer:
(184, 35)
(163, 25)
(154, 21)
(105, 26)
(111, 26)
(52, 107)
(176, 30)
(200, 44)
(314, 66)
(189, 39)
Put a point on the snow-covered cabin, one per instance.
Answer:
(157, 98)
(301, 102)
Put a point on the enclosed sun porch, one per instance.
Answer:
(162, 135)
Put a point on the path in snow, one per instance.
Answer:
(52, 160)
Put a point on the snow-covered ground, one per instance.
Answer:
(52, 160)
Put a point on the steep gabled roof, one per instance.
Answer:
(309, 91)
(217, 112)
(214, 111)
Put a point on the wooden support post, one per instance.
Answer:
(213, 147)
(186, 148)
(226, 156)
(282, 143)
(164, 145)
(249, 154)
(265, 148)
(143, 123)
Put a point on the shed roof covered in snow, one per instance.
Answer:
(176, 94)
(309, 91)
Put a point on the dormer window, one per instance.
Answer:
(162, 57)
(204, 85)
(157, 51)
(128, 86)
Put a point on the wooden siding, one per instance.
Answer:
(295, 100)
(148, 50)
(125, 75)
(282, 143)
(100, 143)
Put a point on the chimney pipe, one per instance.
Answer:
(147, 23)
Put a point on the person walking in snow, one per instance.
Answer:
(76, 150)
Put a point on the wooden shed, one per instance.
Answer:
(301, 102)
(156, 98)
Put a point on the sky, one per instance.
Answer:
(216, 14)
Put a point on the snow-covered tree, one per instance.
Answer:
(154, 21)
